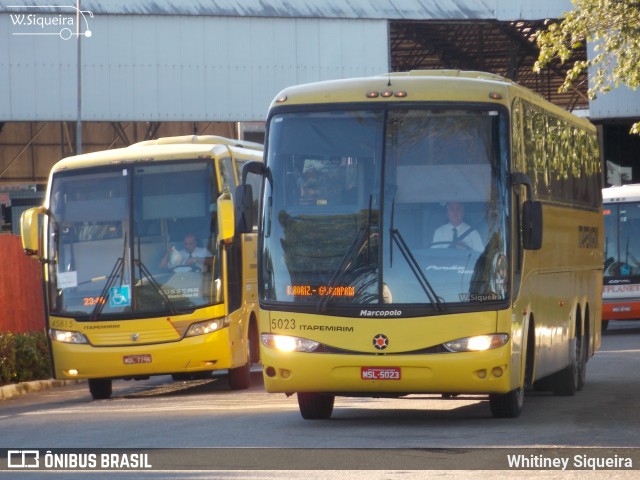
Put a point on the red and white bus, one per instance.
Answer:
(621, 289)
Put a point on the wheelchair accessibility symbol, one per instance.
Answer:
(119, 296)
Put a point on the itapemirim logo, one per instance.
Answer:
(65, 21)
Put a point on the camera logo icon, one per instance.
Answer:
(23, 459)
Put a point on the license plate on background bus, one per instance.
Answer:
(380, 373)
(623, 308)
(134, 359)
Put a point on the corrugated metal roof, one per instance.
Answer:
(362, 9)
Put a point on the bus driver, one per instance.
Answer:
(446, 236)
(191, 256)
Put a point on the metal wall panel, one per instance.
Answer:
(35, 75)
(145, 59)
(622, 102)
(180, 68)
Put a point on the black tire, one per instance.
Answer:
(582, 362)
(565, 382)
(605, 325)
(507, 405)
(100, 388)
(253, 344)
(240, 378)
(315, 406)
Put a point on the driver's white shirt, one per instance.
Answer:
(198, 252)
(445, 234)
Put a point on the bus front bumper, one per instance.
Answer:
(470, 372)
(193, 354)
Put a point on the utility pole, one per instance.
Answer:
(79, 79)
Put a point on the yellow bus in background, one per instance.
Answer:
(142, 272)
(361, 291)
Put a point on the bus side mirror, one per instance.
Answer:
(531, 225)
(226, 222)
(30, 231)
(243, 206)
(255, 167)
(531, 214)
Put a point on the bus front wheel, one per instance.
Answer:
(100, 388)
(240, 378)
(507, 405)
(315, 406)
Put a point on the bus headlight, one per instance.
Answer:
(67, 336)
(285, 343)
(477, 344)
(202, 328)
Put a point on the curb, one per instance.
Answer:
(18, 389)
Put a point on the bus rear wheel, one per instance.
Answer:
(507, 405)
(315, 406)
(100, 388)
(572, 378)
(240, 378)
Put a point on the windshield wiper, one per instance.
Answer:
(152, 281)
(363, 235)
(396, 237)
(345, 263)
(117, 271)
(435, 300)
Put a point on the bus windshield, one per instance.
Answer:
(622, 248)
(386, 207)
(134, 239)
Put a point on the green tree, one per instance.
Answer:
(612, 27)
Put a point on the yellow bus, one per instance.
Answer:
(621, 290)
(142, 272)
(366, 289)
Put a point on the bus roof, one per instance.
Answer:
(418, 85)
(622, 193)
(166, 149)
(201, 140)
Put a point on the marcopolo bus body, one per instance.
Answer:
(361, 290)
(143, 274)
(621, 290)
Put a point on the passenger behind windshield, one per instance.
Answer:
(455, 233)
